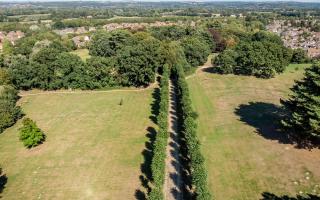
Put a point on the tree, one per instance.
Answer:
(107, 44)
(69, 72)
(9, 112)
(136, 65)
(103, 71)
(299, 56)
(226, 61)
(195, 50)
(303, 106)
(4, 76)
(59, 25)
(263, 56)
(24, 46)
(7, 48)
(30, 134)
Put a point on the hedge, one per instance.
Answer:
(158, 160)
(188, 130)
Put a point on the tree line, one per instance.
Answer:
(187, 117)
(119, 58)
(160, 144)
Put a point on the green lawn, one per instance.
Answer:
(92, 151)
(245, 154)
(82, 53)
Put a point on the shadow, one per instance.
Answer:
(3, 181)
(155, 105)
(213, 70)
(266, 119)
(270, 196)
(184, 165)
(145, 167)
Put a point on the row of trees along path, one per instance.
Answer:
(173, 183)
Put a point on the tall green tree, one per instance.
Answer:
(9, 112)
(303, 105)
(107, 44)
(195, 50)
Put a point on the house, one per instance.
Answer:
(12, 36)
(34, 27)
(65, 31)
(81, 41)
(81, 30)
(313, 52)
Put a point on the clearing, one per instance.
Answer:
(246, 154)
(93, 148)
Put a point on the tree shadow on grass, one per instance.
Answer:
(266, 119)
(155, 105)
(270, 196)
(3, 181)
(146, 173)
(145, 167)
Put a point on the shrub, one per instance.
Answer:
(30, 134)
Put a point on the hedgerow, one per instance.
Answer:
(188, 131)
(158, 160)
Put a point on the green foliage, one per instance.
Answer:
(136, 65)
(304, 105)
(103, 72)
(9, 112)
(30, 134)
(226, 61)
(189, 128)
(263, 56)
(158, 159)
(7, 48)
(5, 78)
(195, 50)
(24, 46)
(299, 56)
(107, 44)
(69, 72)
(169, 32)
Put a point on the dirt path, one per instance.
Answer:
(173, 177)
(203, 67)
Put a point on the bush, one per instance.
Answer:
(30, 134)
(299, 56)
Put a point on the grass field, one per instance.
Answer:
(245, 153)
(93, 148)
(82, 53)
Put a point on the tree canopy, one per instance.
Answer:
(303, 106)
